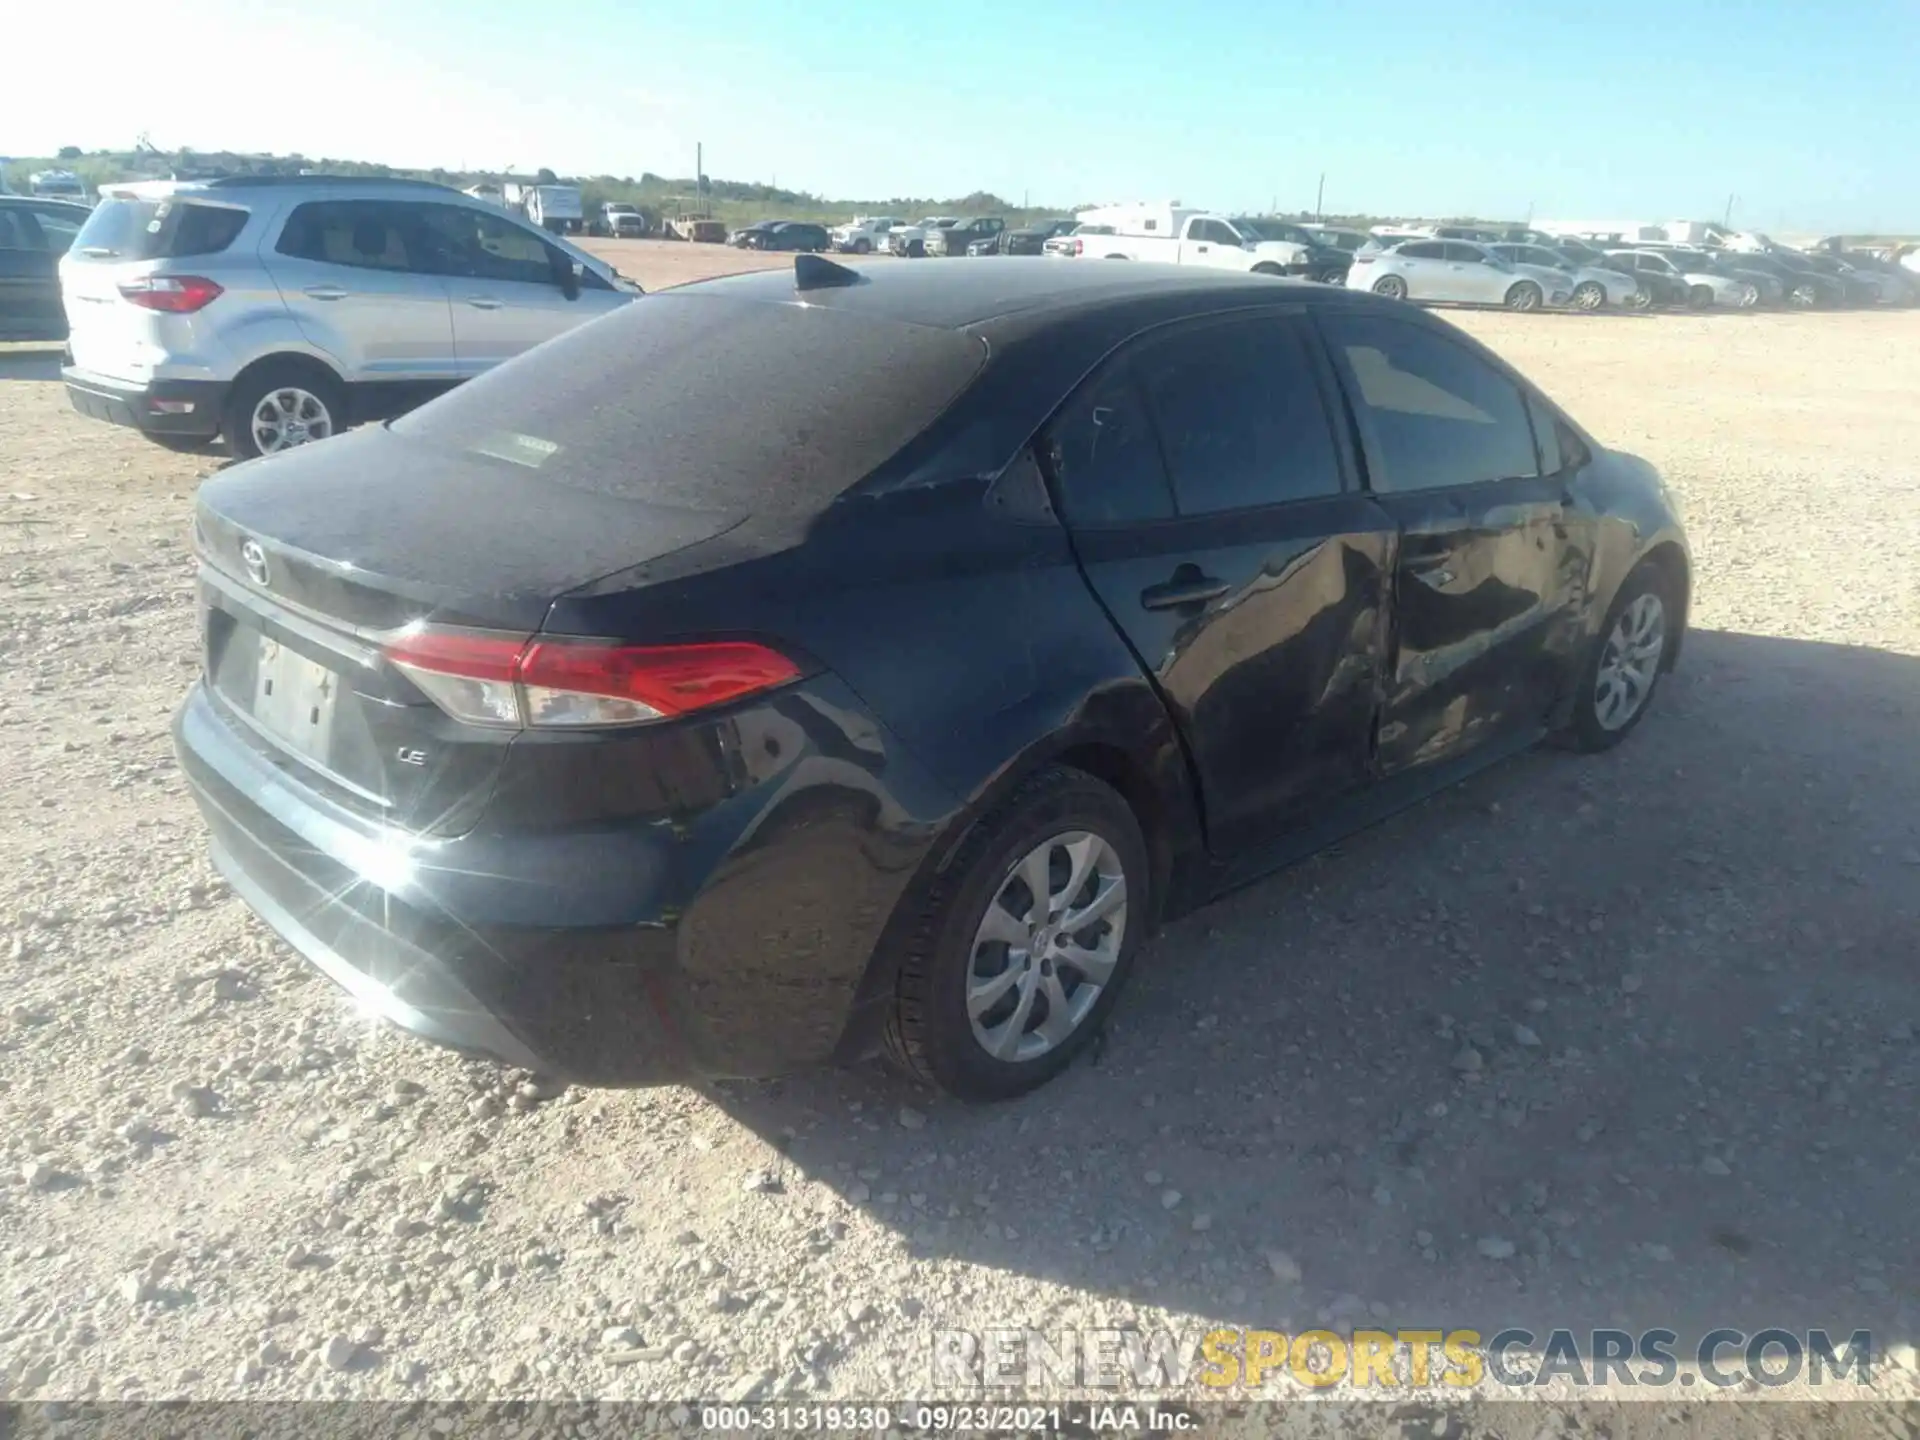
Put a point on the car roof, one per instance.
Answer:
(59, 200)
(1028, 285)
(229, 184)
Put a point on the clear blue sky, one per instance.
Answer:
(1810, 115)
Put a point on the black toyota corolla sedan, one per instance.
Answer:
(809, 664)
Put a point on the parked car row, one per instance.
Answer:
(1530, 270)
(1521, 268)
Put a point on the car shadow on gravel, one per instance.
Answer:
(1619, 1040)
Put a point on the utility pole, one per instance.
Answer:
(1319, 199)
(1728, 221)
(700, 177)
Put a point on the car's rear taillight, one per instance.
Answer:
(174, 294)
(522, 681)
(1079, 247)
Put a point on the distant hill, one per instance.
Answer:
(737, 202)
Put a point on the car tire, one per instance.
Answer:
(1390, 286)
(861, 247)
(1700, 297)
(1804, 297)
(1524, 296)
(1590, 295)
(1266, 267)
(940, 1034)
(287, 382)
(1633, 644)
(1641, 299)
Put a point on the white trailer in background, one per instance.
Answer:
(1695, 234)
(556, 208)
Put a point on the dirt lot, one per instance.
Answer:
(1626, 1040)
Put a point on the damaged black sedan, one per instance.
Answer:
(799, 666)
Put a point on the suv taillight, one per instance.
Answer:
(174, 294)
(1079, 247)
(523, 681)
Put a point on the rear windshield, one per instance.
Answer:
(169, 229)
(710, 403)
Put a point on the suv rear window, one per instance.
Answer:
(122, 228)
(710, 403)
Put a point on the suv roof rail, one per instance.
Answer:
(322, 178)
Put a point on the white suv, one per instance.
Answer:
(273, 310)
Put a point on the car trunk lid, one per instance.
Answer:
(312, 562)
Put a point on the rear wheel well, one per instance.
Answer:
(1119, 771)
(1668, 559)
(290, 362)
(1267, 267)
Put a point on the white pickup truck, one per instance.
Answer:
(863, 234)
(1173, 235)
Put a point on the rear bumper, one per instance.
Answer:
(738, 941)
(157, 407)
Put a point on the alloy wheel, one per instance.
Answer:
(1047, 946)
(1630, 662)
(289, 416)
(1588, 295)
(1391, 286)
(1524, 296)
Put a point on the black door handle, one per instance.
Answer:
(1188, 587)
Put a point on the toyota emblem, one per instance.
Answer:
(255, 559)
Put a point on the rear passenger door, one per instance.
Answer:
(1488, 576)
(1422, 264)
(1209, 501)
(355, 276)
(1472, 278)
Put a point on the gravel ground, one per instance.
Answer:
(1626, 1040)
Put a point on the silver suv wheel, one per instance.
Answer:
(289, 416)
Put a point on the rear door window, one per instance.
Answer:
(124, 228)
(1241, 418)
(17, 231)
(362, 234)
(1421, 250)
(58, 226)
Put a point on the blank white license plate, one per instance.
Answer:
(293, 698)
